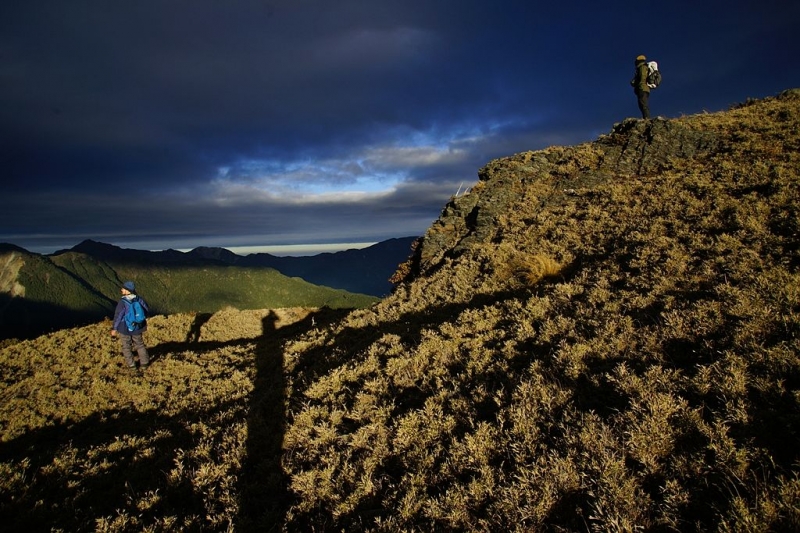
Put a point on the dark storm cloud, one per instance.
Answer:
(275, 121)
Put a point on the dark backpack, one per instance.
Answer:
(134, 314)
(653, 75)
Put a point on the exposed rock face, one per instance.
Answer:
(650, 147)
(633, 147)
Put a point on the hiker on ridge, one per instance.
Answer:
(640, 87)
(130, 329)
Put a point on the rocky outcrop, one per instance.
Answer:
(633, 147)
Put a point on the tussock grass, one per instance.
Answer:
(530, 270)
(651, 383)
(87, 446)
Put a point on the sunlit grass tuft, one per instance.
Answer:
(532, 269)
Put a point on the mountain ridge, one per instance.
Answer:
(41, 293)
(364, 270)
(603, 337)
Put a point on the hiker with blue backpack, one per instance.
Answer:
(646, 77)
(130, 321)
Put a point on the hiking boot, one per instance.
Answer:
(132, 370)
(144, 367)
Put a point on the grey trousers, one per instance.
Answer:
(134, 342)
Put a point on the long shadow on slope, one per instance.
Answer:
(79, 472)
(591, 393)
(262, 487)
(349, 346)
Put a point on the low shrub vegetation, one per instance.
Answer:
(612, 352)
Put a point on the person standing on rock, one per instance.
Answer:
(130, 331)
(640, 87)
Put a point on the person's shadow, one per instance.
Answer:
(197, 326)
(263, 488)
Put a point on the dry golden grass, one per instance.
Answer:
(530, 270)
(87, 446)
(620, 358)
(652, 385)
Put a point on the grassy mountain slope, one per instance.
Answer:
(36, 296)
(596, 338)
(364, 270)
(45, 293)
(99, 274)
(361, 271)
(181, 288)
(613, 348)
(85, 446)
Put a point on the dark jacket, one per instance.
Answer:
(119, 316)
(639, 81)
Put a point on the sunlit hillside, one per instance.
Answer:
(595, 338)
(41, 294)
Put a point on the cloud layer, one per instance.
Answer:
(178, 124)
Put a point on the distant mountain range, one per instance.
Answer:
(364, 271)
(40, 293)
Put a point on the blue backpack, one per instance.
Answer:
(134, 314)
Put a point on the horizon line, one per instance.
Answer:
(293, 250)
